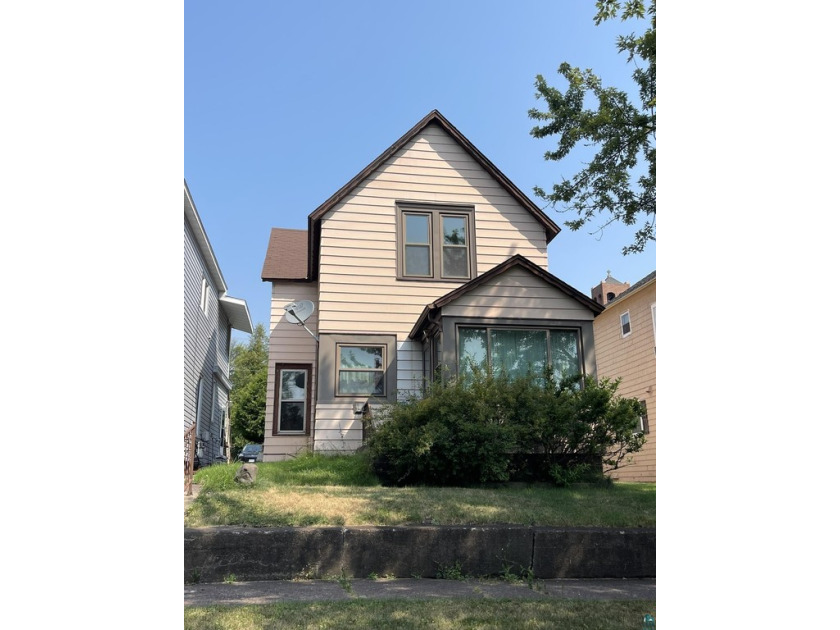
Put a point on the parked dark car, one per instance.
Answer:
(251, 453)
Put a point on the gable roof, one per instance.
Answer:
(432, 118)
(286, 257)
(514, 261)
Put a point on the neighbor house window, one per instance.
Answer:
(291, 398)
(518, 352)
(643, 420)
(625, 323)
(205, 296)
(361, 370)
(436, 242)
(653, 317)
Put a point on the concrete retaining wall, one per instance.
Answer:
(211, 554)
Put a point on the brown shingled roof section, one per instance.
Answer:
(287, 255)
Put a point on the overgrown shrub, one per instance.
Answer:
(489, 428)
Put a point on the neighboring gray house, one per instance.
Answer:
(209, 315)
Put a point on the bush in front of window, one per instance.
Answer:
(457, 434)
(575, 433)
(490, 429)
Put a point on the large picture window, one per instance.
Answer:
(361, 370)
(518, 351)
(291, 398)
(435, 243)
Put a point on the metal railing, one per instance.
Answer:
(189, 458)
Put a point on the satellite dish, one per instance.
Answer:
(299, 312)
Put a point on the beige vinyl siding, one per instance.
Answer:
(517, 293)
(633, 359)
(357, 272)
(289, 343)
(409, 369)
(337, 428)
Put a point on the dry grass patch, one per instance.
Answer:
(449, 614)
(623, 505)
(341, 491)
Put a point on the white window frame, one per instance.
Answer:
(653, 317)
(621, 324)
(205, 297)
(382, 370)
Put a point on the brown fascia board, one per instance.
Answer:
(515, 260)
(551, 228)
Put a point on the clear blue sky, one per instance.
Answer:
(285, 102)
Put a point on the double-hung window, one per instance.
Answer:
(436, 242)
(291, 396)
(361, 370)
(625, 323)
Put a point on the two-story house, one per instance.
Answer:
(625, 348)
(427, 259)
(209, 315)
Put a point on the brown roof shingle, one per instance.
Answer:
(287, 255)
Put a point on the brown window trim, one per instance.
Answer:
(436, 213)
(308, 404)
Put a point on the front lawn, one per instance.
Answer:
(341, 491)
(441, 614)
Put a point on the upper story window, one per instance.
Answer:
(435, 242)
(625, 323)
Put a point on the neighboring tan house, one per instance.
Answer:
(625, 347)
(429, 257)
(209, 315)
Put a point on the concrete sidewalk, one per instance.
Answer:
(268, 592)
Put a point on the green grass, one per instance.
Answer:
(443, 614)
(341, 491)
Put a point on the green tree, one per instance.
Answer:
(623, 133)
(248, 375)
